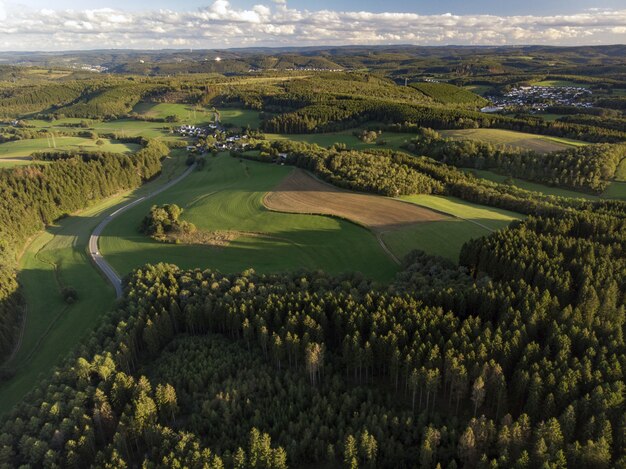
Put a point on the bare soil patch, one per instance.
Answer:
(301, 193)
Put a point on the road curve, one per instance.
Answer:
(94, 251)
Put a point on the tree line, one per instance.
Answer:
(589, 168)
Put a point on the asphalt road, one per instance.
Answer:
(94, 251)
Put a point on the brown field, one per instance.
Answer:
(301, 193)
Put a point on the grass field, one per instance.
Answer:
(227, 195)
(240, 117)
(549, 116)
(617, 190)
(446, 237)
(538, 143)
(186, 113)
(53, 259)
(23, 148)
(393, 140)
(481, 90)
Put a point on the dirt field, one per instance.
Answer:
(301, 193)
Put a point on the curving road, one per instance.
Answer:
(94, 252)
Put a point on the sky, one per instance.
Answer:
(192, 24)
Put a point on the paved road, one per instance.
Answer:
(94, 251)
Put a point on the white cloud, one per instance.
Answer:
(221, 24)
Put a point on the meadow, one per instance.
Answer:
(538, 143)
(20, 150)
(446, 237)
(227, 196)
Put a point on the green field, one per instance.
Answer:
(617, 190)
(392, 139)
(53, 259)
(23, 148)
(481, 90)
(227, 195)
(445, 238)
(538, 143)
(240, 117)
(186, 113)
(549, 116)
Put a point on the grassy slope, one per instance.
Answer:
(228, 196)
(541, 143)
(445, 238)
(240, 117)
(53, 328)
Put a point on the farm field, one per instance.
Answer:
(227, 196)
(538, 143)
(446, 237)
(300, 192)
(24, 148)
(53, 259)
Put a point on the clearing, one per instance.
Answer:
(535, 142)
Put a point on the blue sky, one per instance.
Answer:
(423, 7)
(158, 24)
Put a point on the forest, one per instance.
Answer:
(516, 363)
(510, 357)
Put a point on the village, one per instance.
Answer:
(213, 137)
(539, 98)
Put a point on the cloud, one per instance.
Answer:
(221, 24)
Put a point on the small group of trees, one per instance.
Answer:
(164, 221)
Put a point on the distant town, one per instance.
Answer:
(539, 98)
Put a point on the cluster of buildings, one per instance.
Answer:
(538, 98)
(214, 136)
(90, 68)
(193, 131)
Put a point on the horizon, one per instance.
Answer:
(310, 48)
